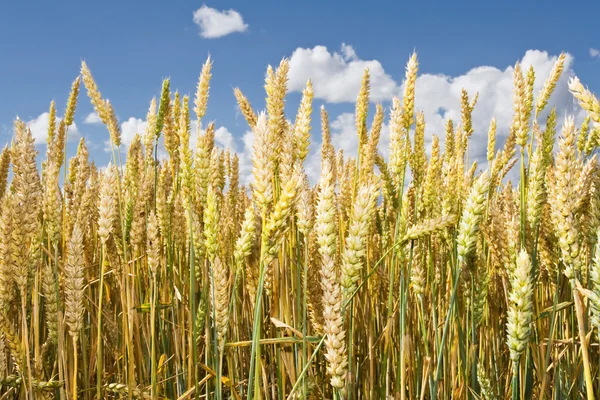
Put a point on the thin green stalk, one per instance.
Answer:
(253, 380)
(515, 381)
(392, 275)
(305, 369)
(589, 385)
(522, 193)
(216, 354)
(404, 279)
(304, 319)
(99, 356)
(438, 372)
(193, 306)
(153, 392)
(74, 369)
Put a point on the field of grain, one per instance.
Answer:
(420, 276)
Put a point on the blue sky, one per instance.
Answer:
(131, 46)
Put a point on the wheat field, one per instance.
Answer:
(420, 276)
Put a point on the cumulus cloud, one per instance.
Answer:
(92, 118)
(223, 138)
(438, 96)
(336, 76)
(594, 53)
(130, 127)
(214, 23)
(39, 128)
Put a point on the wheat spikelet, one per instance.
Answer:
(471, 217)
(202, 163)
(302, 124)
(243, 245)
(262, 170)
(583, 134)
(171, 139)
(409, 92)
(6, 273)
(593, 140)
(94, 94)
(153, 244)
(586, 99)
(211, 225)
(398, 156)
(74, 283)
(106, 207)
(418, 158)
(332, 293)
(449, 142)
(162, 204)
(201, 99)
(276, 87)
(432, 181)
(491, 147)
(373, 142)
(518, 325)
(185, 153)
(288, 158)
(362, 108)
(536, 193)
(583, 184)
(50, 302)
(550, 84)
(114, 129)
(418, 279)
(429, 227)
(12, 342)
(163, 107)
(327, 149)
(355, 244)
(529, 83)
(388, 188)
(305, 207)
(484, 382)
(219, 288)
(72, 102)
(150, 133)
(277, 224)
(217, 171)
(26, 203)
(52, 202)
(124, 390)
(562, 199)
(466, 111)
(245, 107)
(4, 169)
(519, 123)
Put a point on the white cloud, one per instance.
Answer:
(214, 23)
(224, 138)
(438, 96)
(594, 53)
(39, 128)
(130, 127)
(336, 77)
(92, 118)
